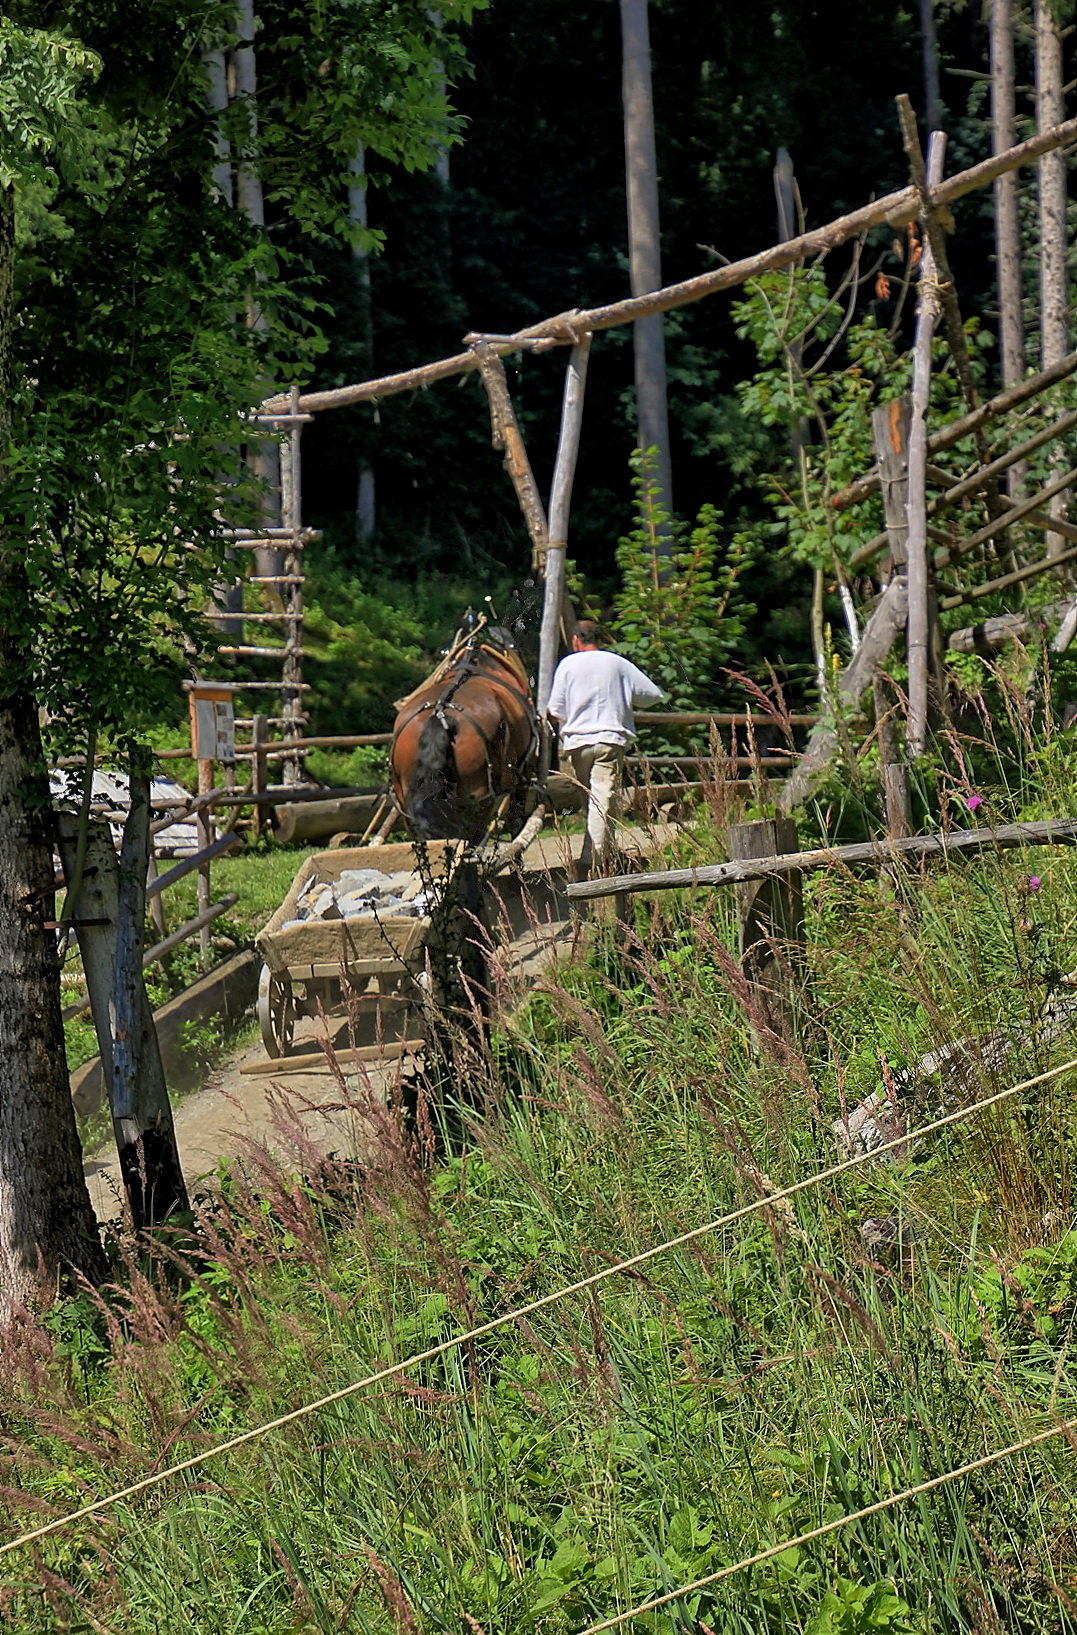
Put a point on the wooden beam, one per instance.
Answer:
(894, 209)
(507, 436)
(957, 430)
(1000, 525)
(1007, 627)
(1053, 832)
(1032, 571)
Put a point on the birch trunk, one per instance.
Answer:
(47, 1225)
(1054, 328)
(644, 243)
(217, 98)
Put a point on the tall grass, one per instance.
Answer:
(781, 1372)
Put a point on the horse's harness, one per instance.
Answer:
(470, 669)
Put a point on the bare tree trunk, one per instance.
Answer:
(248, 178)
(1054, 326)
(644, 243)
(1007, 226)
(366, 495)
(217, 98)
(47, 1225)
(933, 110)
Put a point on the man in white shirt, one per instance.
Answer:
(592, 699)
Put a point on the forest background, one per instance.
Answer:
(526, 217)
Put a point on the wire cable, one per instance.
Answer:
(393, 1369)
(833, 1526)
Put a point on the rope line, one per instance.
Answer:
(833, 1526)
(440, 1350)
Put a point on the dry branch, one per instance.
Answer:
(506, 436)
(1032, 571)
(1053, 832)
(894, 209)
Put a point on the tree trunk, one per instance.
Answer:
(217, 99)
(47, 1225)
(933, 110)
(1007, 226)
(366, 493)
(1054, 328)
(248, 178)
(644, 243)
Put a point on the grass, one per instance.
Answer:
(776, 1374)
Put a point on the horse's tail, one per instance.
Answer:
(431, 795)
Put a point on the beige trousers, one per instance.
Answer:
(598, 769)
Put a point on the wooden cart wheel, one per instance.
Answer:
(276, 1013)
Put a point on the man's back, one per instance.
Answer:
(593, 695)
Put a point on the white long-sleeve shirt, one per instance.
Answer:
(593, 696)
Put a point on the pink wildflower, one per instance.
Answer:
(973, 802)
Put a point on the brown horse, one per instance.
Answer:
(465, 739)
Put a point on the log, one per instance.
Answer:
(1052, 832)
(993, 633)
(879, 635)
(319, 819)
(565, 329)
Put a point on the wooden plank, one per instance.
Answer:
(1052, 832)
(391, 1051)
(565, 329)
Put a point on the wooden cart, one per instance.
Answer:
(373, 966)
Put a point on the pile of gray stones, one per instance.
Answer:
(362, 894)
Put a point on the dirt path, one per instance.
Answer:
(300, 1112)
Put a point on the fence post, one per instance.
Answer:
(259, 770)
(205, 835)
(770, 916)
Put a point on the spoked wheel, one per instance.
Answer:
(276, 1012)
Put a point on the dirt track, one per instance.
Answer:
(294, 1112)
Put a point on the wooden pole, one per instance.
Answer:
(560, 500)
(506, 435)
(770, 915)
(1031, 571)
(205, 837)
(1051, 832)
(890, 431)
(1054, 303)
(259, 770)
(918, 630)
(894, 209)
